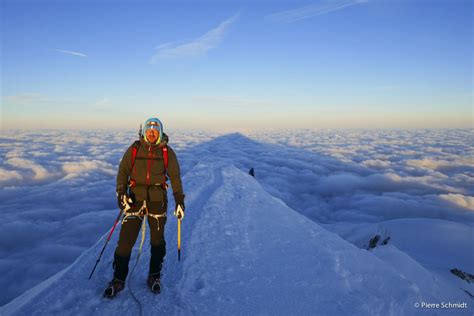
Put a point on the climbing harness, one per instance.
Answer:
(142, 213)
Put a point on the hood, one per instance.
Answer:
(156, 124)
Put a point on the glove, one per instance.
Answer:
(123, 200)
(179, 211)
(179, 207)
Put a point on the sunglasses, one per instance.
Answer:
(153, 125)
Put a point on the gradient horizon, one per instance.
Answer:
(238, 65)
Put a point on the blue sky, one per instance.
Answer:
(237, 64)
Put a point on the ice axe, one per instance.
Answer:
(179, 211)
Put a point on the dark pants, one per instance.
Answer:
(128, 236)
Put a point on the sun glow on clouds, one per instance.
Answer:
(460, 200)
(39, 172)
(6, 175)
(86, 166)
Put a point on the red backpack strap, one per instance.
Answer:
(165, 160)
(136, 146)
(134, 155)
(165, 157)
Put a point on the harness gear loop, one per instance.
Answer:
(141, 213)
(157, 217)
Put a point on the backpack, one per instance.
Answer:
(136, 146)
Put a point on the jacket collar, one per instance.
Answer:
(161, 144)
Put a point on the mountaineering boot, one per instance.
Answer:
(113, 288)
(154, 283)
(117, 284)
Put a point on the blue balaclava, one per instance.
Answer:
(153, 123)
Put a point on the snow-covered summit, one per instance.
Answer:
(244, 252)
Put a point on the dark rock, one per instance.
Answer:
(252, 172)
(373, 242)
(469, 278)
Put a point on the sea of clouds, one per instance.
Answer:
(58, 187)
(381, 174)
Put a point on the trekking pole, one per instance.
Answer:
(179, 240)
(106, 242)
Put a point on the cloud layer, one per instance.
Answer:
(57, 187)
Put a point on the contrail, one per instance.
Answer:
(71, 52)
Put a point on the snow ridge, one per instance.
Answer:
(243, 252)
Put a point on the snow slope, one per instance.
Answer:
(438, 245)
(246, 252)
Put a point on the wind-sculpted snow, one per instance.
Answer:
(57, 187)
(245, 252)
